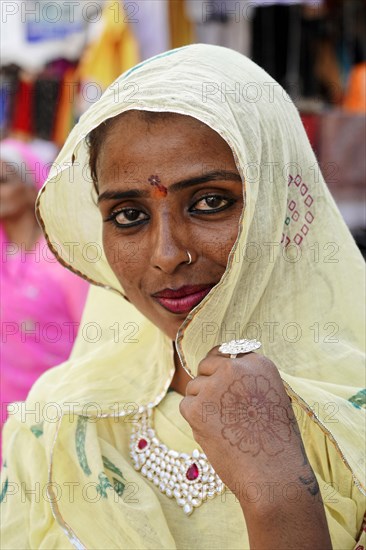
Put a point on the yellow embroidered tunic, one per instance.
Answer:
(100, 501)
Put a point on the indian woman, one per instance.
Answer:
(218, 400)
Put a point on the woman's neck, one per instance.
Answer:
(24, 231)
(180, 378)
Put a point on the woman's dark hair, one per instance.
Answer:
(97, 136)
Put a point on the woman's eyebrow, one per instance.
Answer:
(215, 175)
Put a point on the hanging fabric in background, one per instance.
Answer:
(52, 20)
(354, 100)
(46, 95)
(343, 160)
(35, 33)
(9, 78)
(150, 25)
(271, 38)
(49, 87)
(65, 116)
(39, 106)
(223, 23)
(4, 106)
(115, 51)
(22, 121)
(180, 25)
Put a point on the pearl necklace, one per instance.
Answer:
(190, 479)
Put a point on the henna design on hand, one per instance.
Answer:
(254, 419)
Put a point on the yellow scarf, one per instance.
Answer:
(294, 280)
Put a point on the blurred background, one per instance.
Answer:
(57, 58)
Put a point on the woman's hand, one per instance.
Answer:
(242, 417)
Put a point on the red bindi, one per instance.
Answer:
(159, 190)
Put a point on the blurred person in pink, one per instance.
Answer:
(41, 302)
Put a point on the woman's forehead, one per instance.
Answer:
(148, 123)
(177, 139)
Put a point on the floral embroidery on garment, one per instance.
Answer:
(103, 485)
(4, 489)
(359, 399)
(104, 482)
(80, 435)
(118, 486)
(37, 429)
(112, 467)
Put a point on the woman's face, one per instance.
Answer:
(166, 187)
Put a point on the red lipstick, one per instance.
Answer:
(183, 299)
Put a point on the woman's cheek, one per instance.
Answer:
(108, 250)
(218, 250)
(124, 259)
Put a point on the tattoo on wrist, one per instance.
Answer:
(308, 479)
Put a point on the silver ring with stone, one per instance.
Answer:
(239, 346)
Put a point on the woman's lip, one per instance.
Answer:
(183, 304)
(181, 292)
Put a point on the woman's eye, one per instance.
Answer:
(212, 203)
(127, 217)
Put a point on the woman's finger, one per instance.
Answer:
(186, 405)
(193, 387)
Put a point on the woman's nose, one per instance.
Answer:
(169, 245)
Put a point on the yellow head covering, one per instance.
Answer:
(294, 277)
